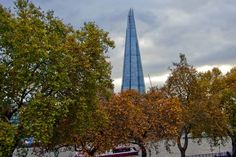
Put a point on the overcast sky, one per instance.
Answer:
(204, 30)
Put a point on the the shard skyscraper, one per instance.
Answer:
(132, 67)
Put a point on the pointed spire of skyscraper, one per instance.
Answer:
(132, 67)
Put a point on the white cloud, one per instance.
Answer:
(117, 84)
(160, 80)
(145, 43)
(223, 68)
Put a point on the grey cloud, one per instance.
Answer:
(223, 56)
(202, 29)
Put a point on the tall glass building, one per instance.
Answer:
(132, 67)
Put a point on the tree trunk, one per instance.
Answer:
(141, 145)
(56, 152)
(233, 147)
(143, 149)
(7, 152)
(92, 152)
(182, 152)
(185, 145)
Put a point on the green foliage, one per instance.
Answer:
(214, 124)
(228, 101)
(7, 133)
(41, 116)
(182, 81)
(51, 75)
(200, 97)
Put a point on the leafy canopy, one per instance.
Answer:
(51, 76)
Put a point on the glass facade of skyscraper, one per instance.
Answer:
(132, 67)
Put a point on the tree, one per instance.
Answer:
(141, 119)
(164, 117)
(95, 139)
(228, 102)
(210, 88)
(182, 84)
(127, 120)
(199, 97)
(52, 77)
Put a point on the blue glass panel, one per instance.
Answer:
(132, 68)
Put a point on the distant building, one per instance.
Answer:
(132, 67)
